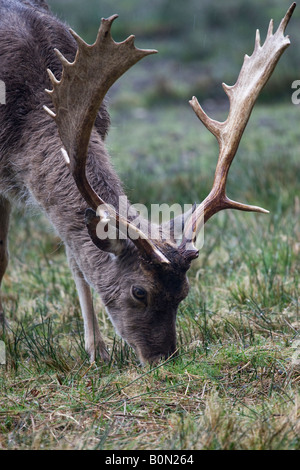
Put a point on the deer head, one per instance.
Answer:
(147, 278)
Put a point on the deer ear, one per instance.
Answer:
(110, 244)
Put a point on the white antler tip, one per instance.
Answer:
(162, 257)
(49, 111)
(110, 19)
(52, 77)
(106, 24)
(287, 18)
(257, 39)
(78, 39)
(227, 89)
(271, 27)
(62, 58)
(65, 155)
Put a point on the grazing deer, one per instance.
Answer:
(57, 160)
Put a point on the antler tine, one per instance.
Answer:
(285, 21)
(254, 74)
(78, 95)
(77, 98)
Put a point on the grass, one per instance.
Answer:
(235, 384)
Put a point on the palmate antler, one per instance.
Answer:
(255, 72)
(77, 98)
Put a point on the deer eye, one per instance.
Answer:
(139, 293)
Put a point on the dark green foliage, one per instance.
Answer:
(200, 44)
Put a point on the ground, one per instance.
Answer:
(235, 384)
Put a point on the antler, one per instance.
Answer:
(255, 72)
(77, 98)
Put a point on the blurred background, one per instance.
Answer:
(200, 43)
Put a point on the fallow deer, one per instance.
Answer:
(52, 154)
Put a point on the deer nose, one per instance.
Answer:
(172, 353)
(156, 357)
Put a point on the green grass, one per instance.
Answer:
(235, 384)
